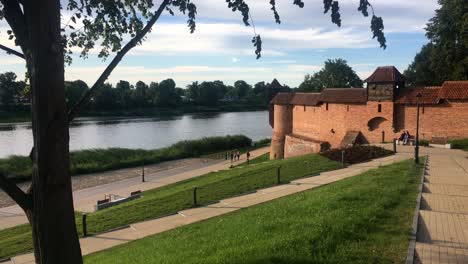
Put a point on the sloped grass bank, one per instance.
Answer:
(179, 196)
(363, 219)
(97, 160)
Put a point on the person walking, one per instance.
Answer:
(248, 156)
(232, 156)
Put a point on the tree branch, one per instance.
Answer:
(15, 18)
(18, 195)
(131, 44)
(12, 51)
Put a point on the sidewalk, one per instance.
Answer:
(140, 230)
(442, 235)
(84, 200)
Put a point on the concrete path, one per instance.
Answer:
(140, 230)
(442, 235)
(85, 199)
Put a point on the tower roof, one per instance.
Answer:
(385, 74)
(275, 85)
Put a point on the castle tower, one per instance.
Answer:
(383, 88)
(385, 84)
(282, 124)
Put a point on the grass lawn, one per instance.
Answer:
(178, 196)
(363, 219)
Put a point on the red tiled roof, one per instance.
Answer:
(344, 95)
(429, 95)
(385, 74)
(450, 90)
(455, 90)
(305, 99)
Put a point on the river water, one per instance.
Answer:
(145, 133)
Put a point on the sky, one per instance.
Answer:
(221, 48)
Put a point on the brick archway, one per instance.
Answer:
(376, 123)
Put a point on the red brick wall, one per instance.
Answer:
(447, 120)
(282, 127)
(317, 122)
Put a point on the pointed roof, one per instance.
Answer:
(275, 85)
(385, 74)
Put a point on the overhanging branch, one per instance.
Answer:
(12, 51)
(15, 193)
(131, 44)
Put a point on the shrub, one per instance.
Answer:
(357, 154)
(424, 142)
(261, 143)
(96, 160)
(459, 143)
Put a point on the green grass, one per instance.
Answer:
(178, 196)
(363, 219)
(460, 144)
(19, 168)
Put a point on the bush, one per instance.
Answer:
(261, 143)
(424, 142)
(459, 143)
(96, 160)
(357, 154)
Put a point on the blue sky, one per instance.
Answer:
(221, 48)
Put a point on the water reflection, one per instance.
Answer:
(146, 133)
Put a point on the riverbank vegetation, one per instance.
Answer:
(19, 168)
(175, 197)
(362, 219)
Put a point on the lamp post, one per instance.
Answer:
(416, 148)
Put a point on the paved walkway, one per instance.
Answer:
(85, 199)
(442, 235)
(144, 229)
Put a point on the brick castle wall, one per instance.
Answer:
(329, 123)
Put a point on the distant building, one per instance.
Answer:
(312, 122)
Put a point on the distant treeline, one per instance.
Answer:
(125, 96)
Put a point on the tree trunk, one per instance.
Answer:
(52, 216)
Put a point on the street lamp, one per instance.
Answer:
(416, 148)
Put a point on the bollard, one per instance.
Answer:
(195, 203)
(343, 158)
(143, 172)
(278, 175)
(394, 145)
(85, 231)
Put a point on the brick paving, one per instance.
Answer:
(140, 230)
(442, 235)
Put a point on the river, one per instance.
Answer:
(145, 133)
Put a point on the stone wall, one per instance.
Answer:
(298, 146)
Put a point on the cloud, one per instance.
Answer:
(235, 60)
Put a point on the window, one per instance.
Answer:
(347, 108)
(379, 108)
(326, 106)
(304, 108)
(423, 109)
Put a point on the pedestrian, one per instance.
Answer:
(238, 155)
(248, 156)
(232, 156)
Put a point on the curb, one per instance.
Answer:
(414, 227)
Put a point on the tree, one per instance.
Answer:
(74, 91)
(141, 95)
(242, 88)
(10, 89)
(37, 29)
(444, 58)
(124, 93)
(106, 98)
(311, 84)
(166, 94)
(335, 74)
